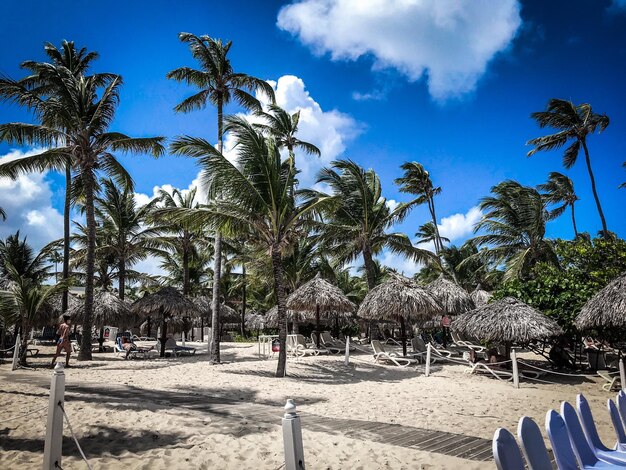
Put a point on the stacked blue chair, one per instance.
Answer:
(506, 453)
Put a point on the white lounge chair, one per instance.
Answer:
(300, 348)
(329, 346)
(380, 355)
(611, 381)
(456, 339)
(420, 351)
(485, 368)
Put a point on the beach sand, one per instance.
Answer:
(182, 413)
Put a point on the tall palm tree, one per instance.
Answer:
(428, 233)
(416, 180)
(574, 124)
(284, 128)
(559, 189)
(514, 222)
(256, 200)
(623, 185)
(78, 118)
(219, 84)
(359, 220)
(44, 82)
(130, 238)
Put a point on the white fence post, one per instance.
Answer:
(54, 427)
(292, 438)
(427, 369)
(622, 373)
(16, 352)
(515, 372)
(183, 339)
(347, 356)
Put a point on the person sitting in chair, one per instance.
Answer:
(128, 346)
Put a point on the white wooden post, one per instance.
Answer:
(292, 438)
(515, 373)
(622, 373)
(427, 369)
(16, 352)
(183, 339)
(54, 427)
(347, 358)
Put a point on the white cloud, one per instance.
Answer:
(27, 202)
(457, 227)
(392, 204)
(449, 41)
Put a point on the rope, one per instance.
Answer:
(24, 415)
(67, 419)
(563, 373)
(7, 350)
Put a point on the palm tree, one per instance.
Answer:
(44, 82)
(574, 124)
(3, 214)
(416, 181)
(219, 85)
(623, 185)
(79, 116)
(284, 127)
(256, 200)
(359, 220)
(559, 189)
(428, 233)
(515, 224)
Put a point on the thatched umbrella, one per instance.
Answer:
(168, 306)
(108, 309)
(399, 299)
(453, 299)
(319, 295)
(271, 317)
(507, 321)
(480, 296)
(607, 308)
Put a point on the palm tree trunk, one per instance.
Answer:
(403, 335)
(593, 188)
(89, 184)
(66, 233)
(369, 267)
(163, 336)
(214, 356)
(121, 287)
(186, 285)
(279, 289)
(433, 215)
(243, 300)
(574, 221)
(23, 346)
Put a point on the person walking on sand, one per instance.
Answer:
(63, 343)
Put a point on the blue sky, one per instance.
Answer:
(450, 84)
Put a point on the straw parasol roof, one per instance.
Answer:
(480, 296)
(319, 293)
(166, 304)
(397, 298)
(271, 317)
(607, 308)
(254, 321)
(452, 297)
(227, 314)
(507, 320)
(108, 309)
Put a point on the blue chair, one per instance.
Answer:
(590, 427)
(621, 405)
(617, 425)
(583, 448)
(561, 442)
(506, 452)
(533, 446)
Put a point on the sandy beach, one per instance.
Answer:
(183, 413)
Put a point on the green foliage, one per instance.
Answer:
(586, 266)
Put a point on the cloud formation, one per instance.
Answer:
(27, 202)
(450, 42)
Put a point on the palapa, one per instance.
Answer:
(108, 309)
(399, 299)
(607, 308)
(506, 321)
(168, 306)
(453, 299)
(319, 296)
(480, 296)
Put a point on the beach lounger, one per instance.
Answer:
(456, 339)
(380, 355)
(586, 418)
(506, 452)
(617, 425)
(564, 454)
(300, 348)
(172, 347)
(533, 447)
(135, 353)
(621, 405)
(611, 381)
(331, 347)
(485, 368)
(583, 444)
(420, 351)
(327, 339)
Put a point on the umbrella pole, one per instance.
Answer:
(149, 325)
(317, 323)
(337, 326)
(403, 336)
(201, 329)
(163, 337)
(101, 339)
